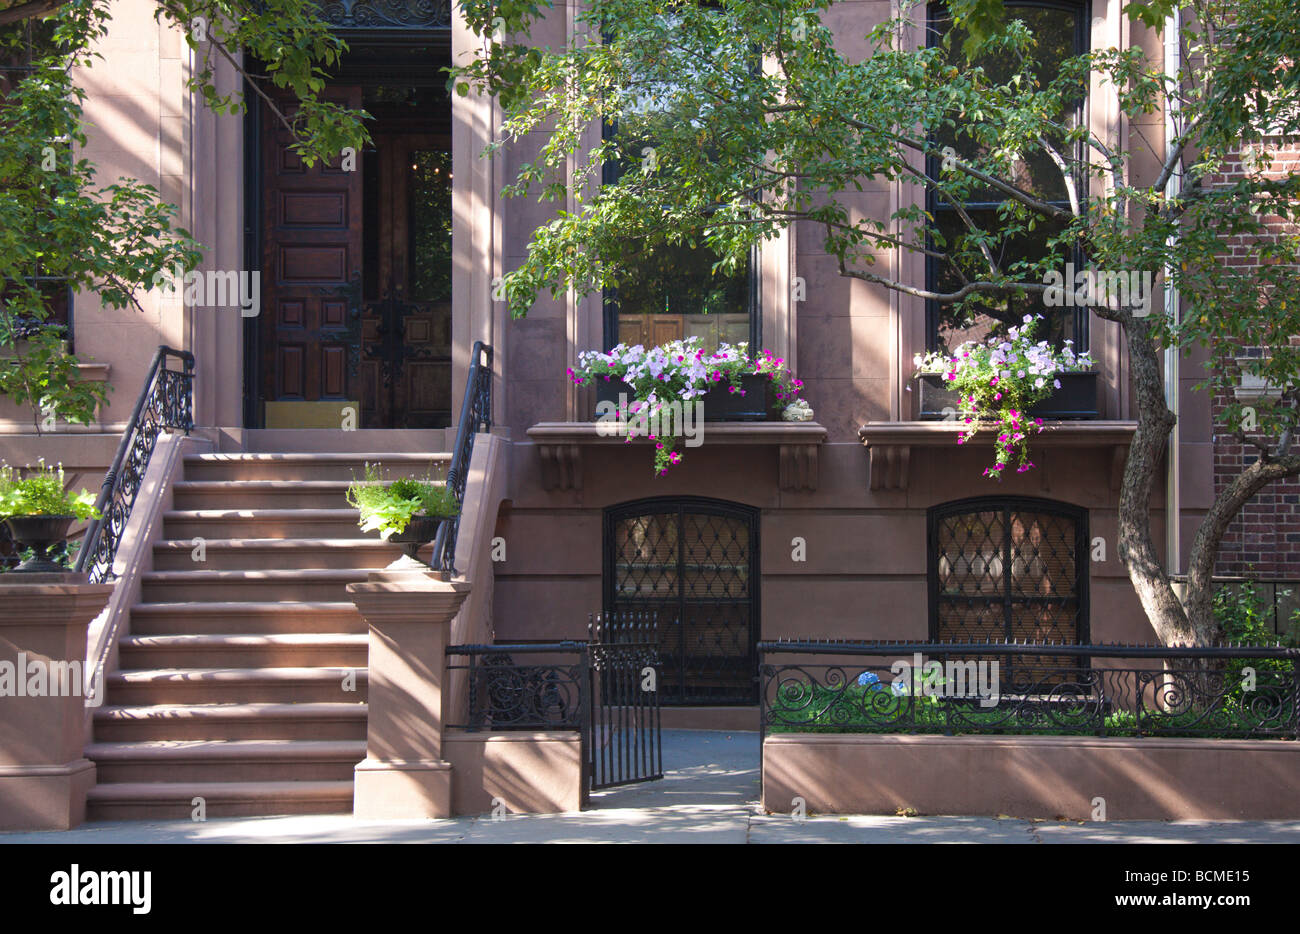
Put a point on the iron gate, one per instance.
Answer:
(691, 564)
(623, 729)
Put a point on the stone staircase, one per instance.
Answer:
(243, 679)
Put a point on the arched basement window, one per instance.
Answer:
(690, 564)
(1005, 568)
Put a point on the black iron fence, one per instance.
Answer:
(475, 417)
(547, 691)
(1104, 690)
(166, 401)
(606, 689)
(624, 738)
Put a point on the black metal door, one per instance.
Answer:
(692, 565)
(623, 734)
(1011, 569)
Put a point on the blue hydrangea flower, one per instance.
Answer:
(869, 679)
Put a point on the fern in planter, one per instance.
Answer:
(389, 506)
(38, 512)
(41, 493)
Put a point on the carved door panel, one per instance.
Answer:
(406, 327)
(311, 268)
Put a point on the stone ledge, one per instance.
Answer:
(560, 446)
(890, 445)
(1147, 778)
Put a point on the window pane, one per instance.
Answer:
(672, 293)
(1055, 32)
(984, 315)
(979, 597)
(430, 193)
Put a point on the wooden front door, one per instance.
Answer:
(311, 273)
(406, 326)
(357, 281)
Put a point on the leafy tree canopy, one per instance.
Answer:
(743, 116)
(60, 223)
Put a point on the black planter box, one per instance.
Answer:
(1077, 398)
(720, 405)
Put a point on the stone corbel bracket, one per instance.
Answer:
(560, 447)
(891, 446)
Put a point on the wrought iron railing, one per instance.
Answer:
(1106, 690)
(548, 693)
(166, 401)
(386, 14)
(475, 417)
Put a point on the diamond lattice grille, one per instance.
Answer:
(1008, 572)
(692, 568)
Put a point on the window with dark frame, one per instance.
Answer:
(20, 44)
(672, 292)
(1008, 569)
(1061, 30)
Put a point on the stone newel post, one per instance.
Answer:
(44, 774)
(404, 774)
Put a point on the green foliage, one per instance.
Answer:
(741, 152)
(859, 708)
(39, 491)
(388, 507)
(59, 221)
(1245, 616)
(39, 372)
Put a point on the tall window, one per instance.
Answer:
(20, 44)
(671, 290)
(1008, 569)
(1060, 30)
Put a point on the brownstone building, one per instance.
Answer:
(376, 282)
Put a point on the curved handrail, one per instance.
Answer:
(475, 416)
(166, 401)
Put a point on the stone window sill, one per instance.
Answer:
(560, 446)
(890, 444)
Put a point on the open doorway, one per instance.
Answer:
(355, 255)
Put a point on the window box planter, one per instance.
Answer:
(1077, 398)
(720, 405)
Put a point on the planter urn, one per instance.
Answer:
(40, 534)
(418, 532)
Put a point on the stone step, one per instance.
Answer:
(283, 650)
(260, 494)
(258, 586)
(229, 618)
(312, 466)
(226, 554)
(175, 800)
(330, 721)
(226, 760)
(187, 524)
(283, 440)
(184, 686)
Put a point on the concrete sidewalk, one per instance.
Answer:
(709, 794)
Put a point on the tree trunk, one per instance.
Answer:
(1136, 548)
(1205, 547)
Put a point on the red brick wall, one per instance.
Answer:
(1264, 540)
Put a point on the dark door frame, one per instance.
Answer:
(682, 505)
(375, 56)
